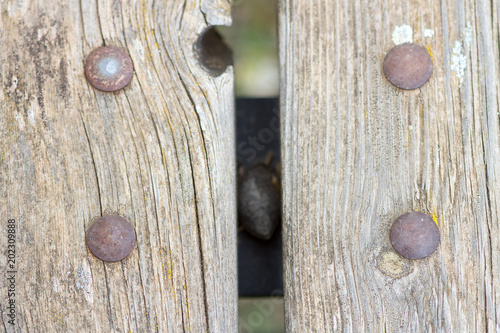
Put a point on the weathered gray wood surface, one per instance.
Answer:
(358, 152)
(159, 153)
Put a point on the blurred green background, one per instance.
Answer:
(261, 315)
(252, 37)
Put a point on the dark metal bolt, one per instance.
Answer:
(414, 235)
(408, 66)
(259, 201)
(111, 238)
(109, 68)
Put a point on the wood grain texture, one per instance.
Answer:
(160, 153)
(358, 152)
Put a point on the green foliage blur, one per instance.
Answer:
(252, 37)
(261, 315)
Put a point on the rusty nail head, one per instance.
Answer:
(109, 68)
(408, 66)
(414, 235)
(111, 238)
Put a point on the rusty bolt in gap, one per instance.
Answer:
(414, 235)
(111, 238)
(259, 201)
(408, 66)
(109, 68)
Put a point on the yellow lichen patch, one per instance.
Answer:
(435, 218)
(429, 50)
(393, 265)
(434, 215)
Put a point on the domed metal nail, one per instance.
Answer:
(414, 235)
(111, 238)
(109, 68)
(408, 66)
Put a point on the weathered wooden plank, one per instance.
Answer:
(358, 152)
(160, 153)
